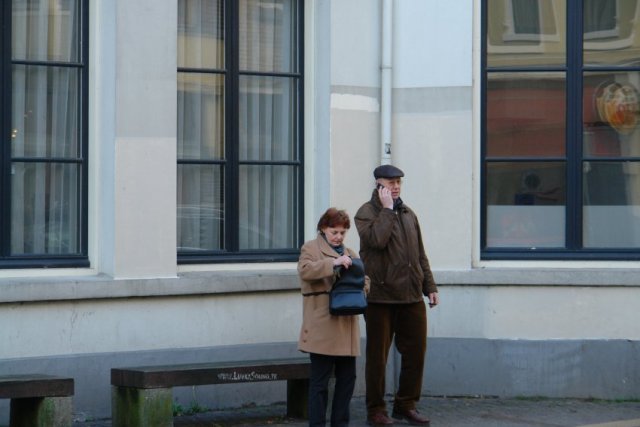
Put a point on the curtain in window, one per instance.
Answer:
(264, 154)
(268, 128)
(44, 192)
(200, 137)
(200, 126)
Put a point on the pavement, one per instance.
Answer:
(443, 412)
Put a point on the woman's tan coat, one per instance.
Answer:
(321, 332)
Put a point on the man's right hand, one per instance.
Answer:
(385, 197)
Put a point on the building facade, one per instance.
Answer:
(164, 160)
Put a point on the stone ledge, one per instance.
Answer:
(14, 290)
(185, 284)
(539, 277)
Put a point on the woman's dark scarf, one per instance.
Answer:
(339, 249)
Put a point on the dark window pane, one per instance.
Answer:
(200, 208)
(599, 15)
(268, 126)
(200, 116)
(268, 207)
(611, 112)
(239, 129)
(526, 16)
(526, 114)
(610, 32)
(268, 40)
(526, 204)
(526, 33)
(44, 112)
(611, 212)
(45, 209)
(201, 34)
(45, 30)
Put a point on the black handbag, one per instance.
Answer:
(347, 297)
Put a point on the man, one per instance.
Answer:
(395, 260)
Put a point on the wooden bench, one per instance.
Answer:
(142, 396)
(38, 400)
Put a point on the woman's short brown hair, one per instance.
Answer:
(334, 217)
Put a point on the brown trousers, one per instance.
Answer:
(407, 323)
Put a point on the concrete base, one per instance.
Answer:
(41, 412)
(132, 407)
(454, 367)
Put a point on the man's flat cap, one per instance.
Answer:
(387, 171)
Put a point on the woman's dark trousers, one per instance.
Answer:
(345, 372)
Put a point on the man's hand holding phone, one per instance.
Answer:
(385, 196)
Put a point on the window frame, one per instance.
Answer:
(574, 157)
(81, 259)
(232, 163)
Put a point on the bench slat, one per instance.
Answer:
(210, 373)
(34, 385)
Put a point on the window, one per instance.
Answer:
(239, 130)
(43, 120)
(560, 134)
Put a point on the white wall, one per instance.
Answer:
(355, 43)
(432, 43)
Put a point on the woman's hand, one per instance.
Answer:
(344, 261)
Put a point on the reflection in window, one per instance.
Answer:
(610, 32)
(525, 114)
(599, 17)
(611, 204)
(611, 114)
(525, 202)
(561, 138)
(526, 32)
(526, 17)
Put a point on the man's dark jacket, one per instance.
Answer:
(393, 253)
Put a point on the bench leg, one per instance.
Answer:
(41, 412)
(134, 407)
(298, 398)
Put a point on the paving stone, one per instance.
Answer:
(444, 412)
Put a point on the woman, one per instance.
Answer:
(333, 342)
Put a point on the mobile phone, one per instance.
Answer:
(379, 186)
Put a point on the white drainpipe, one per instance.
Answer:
(385, 83)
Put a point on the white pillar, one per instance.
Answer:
(135, 121)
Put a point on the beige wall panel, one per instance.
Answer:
(67, 328)
(354, 154)
(537, 313)
(434, 150)
(145, 200)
